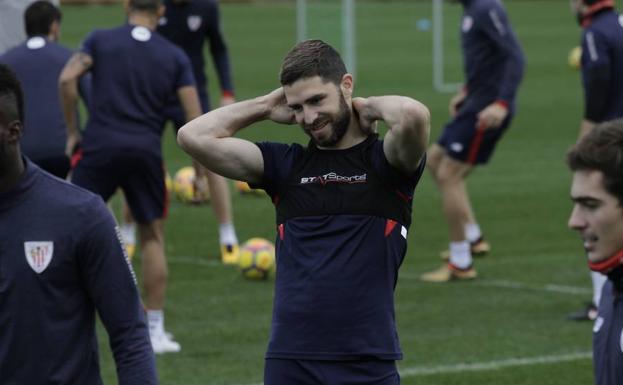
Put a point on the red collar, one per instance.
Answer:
(607, 264)
(587, 16)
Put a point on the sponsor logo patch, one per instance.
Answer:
(333, 177)
(38, 255)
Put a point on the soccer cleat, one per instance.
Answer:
(589, 313)
(163, 343)
(230, 254)
(448, 272)
(478, 248)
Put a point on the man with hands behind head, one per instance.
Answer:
(343, 206)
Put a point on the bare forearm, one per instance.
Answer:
(225, 121)
(69, 102)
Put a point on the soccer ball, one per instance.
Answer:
(575, 56)
(257, 259)
(244, 188)
(184, 185)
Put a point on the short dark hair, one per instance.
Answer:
(11, 97)
(39, 17)
(312, 58)
(145, 5)
(602, 150)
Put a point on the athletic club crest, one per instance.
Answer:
(467, 23)
(194, 22)
(39, 255)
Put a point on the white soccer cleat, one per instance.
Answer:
(164, 343)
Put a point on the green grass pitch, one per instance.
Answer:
(508, 327)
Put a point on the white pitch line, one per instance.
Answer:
(186, 260)
(550, 288)
(418, 371)
(493, 365)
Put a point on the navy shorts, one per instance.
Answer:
(464, 142)
(139, 175)
(175, 113)
(310, 372)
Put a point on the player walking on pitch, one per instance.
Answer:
(135, 72)
(481, 112)
(188, 24)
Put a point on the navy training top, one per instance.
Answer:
(493, 61)
(188, 25)
(602, 64)
(61, 259)
(38, 63)
(135, 72)
(608, 336)
(337, 253)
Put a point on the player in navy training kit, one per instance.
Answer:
(134, 71)
(188, 24)
(602, 81)
(38, 63)
(61, 261)
(12, 23)
(597, 192)
(343, 211)
(482, 111)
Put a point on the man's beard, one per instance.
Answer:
(339, 125)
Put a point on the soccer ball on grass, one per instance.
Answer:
(257, 259)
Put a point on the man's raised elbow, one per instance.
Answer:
(419, 114)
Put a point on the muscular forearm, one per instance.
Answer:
(225, 121)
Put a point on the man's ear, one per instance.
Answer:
(15, 131)
(346, 85)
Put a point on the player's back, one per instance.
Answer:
(38, 63)
(135, 72)
(607, 47)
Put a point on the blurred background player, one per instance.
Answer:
(343, 207)
(597, 192)
(12, 22)
(188, 24)
(38, 62)
(602, 81)
(61, 261)
(482, 111)
(134, 72)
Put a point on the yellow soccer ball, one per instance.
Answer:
(575, 56)
(257, 259)
(244, 188)
(184, 186)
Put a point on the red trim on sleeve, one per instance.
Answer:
(228, 93)
(281, 231)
